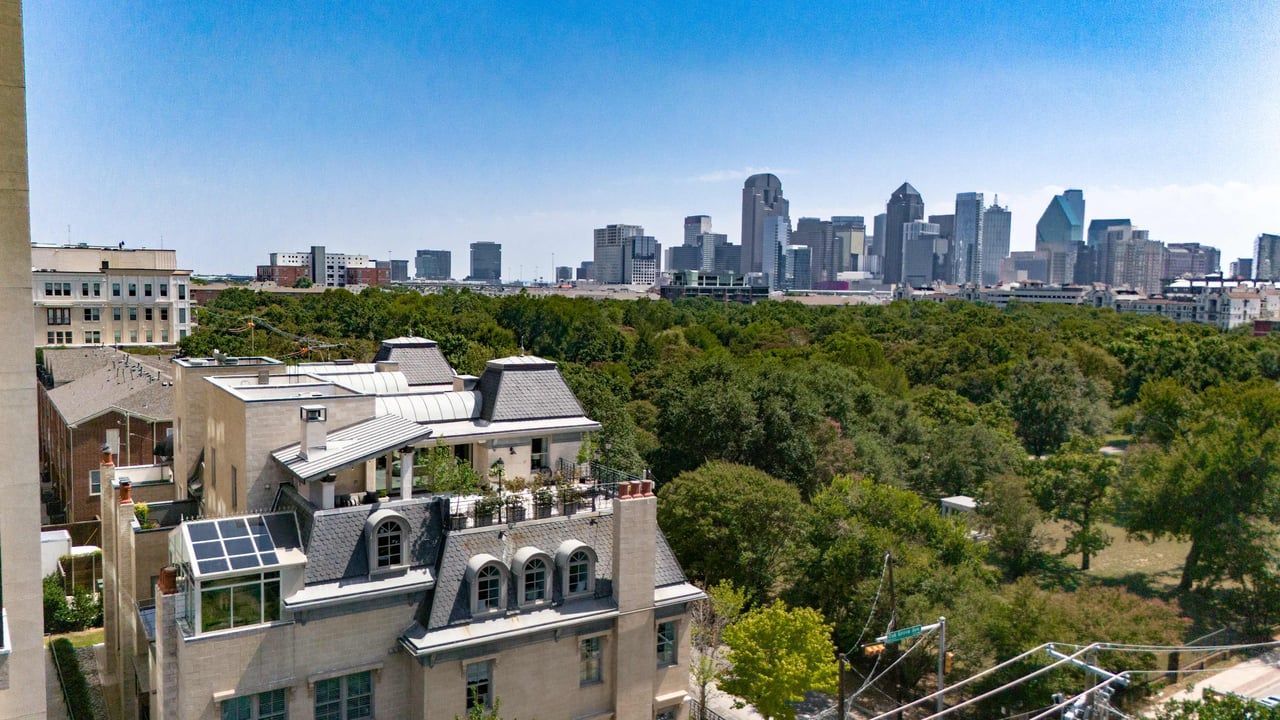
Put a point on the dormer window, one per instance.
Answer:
(387, 534)
(487, 577)
(576, 565)
(535, 581)
(389, 539)
(533, 569)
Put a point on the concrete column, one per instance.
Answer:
(164, 676)
(389, 472)
(406, 474)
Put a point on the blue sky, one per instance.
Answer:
(234, 129)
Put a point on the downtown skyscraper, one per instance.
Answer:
(761, 198)
(997, 228)
(1059, 232)
(904, 206)
(967, 238)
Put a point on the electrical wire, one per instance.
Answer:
(1075, 699)
(884, 570)
(972, 678)
(873, 678)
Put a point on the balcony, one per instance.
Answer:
(582, 489)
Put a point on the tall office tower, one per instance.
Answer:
(968, 237)
(564, 273)
(947, 259)
(799, 262)
(1190, 260)
(640, 261)
(486, 262)
(1025, 265)
(728, 258)
(1087, 264)
(1242, 269)
(761, 198)
(1097, 239)
(997, 228)
(433, 264)
(1134, 259)
(21, 632)
(922, 244)
(850, 240)
(586, 270)
(777, 236)
(905, 206)
(875, 247)
(1266, 257)
(817, 235)
(395, 270)
(707, 244)
(612, 248)
(695, 225)
(1061, 226)
(684, 257)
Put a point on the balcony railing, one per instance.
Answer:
(584, 488)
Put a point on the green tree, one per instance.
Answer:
(1051, 401)
(776, 654)
(1217, 486)
(1008, 515)
(732, 522)
(1072, 486)
(709, 617)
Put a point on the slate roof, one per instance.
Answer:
(450, 604)
(420, 360)
(129, 387)
(525, 388)
(334, 540)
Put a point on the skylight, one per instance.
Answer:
(241, 544)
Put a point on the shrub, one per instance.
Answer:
(73, 682)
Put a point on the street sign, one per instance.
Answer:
(903, 633)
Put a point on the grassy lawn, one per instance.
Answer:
(84, 638)
(1157, 566)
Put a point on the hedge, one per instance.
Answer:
(73, 682)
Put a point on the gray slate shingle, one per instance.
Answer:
(526, 391)
(420, 360)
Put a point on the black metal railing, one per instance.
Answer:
(578, 489)
(698, 711)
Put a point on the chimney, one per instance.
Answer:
(313, 433)
(386, 366)
(264, 376)
(126, 492)
(168, 580)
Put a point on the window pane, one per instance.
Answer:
(478, 685)
(488, 588)
(271, 601)
(246, 603)
(271, 705)
(578, 565)
(359, 696)
(329, 699)
(240, 708)
(666, 643)
(535, 581)
(215, 609)
(589, 669)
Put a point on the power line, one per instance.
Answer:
(884, 570)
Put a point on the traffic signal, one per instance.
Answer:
(874, 649)
(946, 662)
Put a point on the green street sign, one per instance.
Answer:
(903, 633)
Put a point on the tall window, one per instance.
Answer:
(590, 669)
(239, 601)
(115, 314)
(146, 289)
(667, 643)
(84, 289)
(164, 313)
(182, 316)
(115, 289)
(146, 313)
(57, 316)
(93, 314)
(345, 698)
(488, 588)
(182, 292)
(164, 289)
(262, 706)
(133, 289)
(535, 580)
(539, 457)
(479, 685)
(133, 313)
(97, 289)
(579, 571)
(390, 542)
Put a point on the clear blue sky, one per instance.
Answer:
(234, 129)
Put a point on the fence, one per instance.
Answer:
(697, 711)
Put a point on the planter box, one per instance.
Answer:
(458, 521)
(484, 519)
(541, 511)
(515, 513)
(571, 507)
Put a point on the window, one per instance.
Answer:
(57, 289)
(668, 714)
(182, 291)
(117, 337)
(479, 685)
(115, 314)
(97, 289)
(66, 289)
(146, 313)
(239, 601)
(115, 289)
(263, 706)
(84, 289)
(164, 289)
(133, 289)
(133, 313)
(164, 313)
(590, 669)
(182, 316)
(92, 314)
(345, 698)
(133, 336)
(579, 567)
(48, 289)
(59, 337)
(146, 290)
(389, 540)
(95, 482)
(93, 336)
(667, 643)
(535, 580)
(539, 457)
(235, 480)
(164, 335)
(57, 316)
(148, 334)
(488, 589)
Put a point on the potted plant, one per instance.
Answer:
(485, 510)
(515, 508)
(458, 521)
(543, 499)
(570, 499)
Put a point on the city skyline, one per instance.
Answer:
(386, 133)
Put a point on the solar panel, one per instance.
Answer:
(240, 543)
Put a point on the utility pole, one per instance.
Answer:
(893, 617)
(841, 659)
(942, 659)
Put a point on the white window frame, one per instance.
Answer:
(590, 660)
(671, 655)
(564, 567)
(480, 565)
(345, 695)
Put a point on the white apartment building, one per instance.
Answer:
(85, 295)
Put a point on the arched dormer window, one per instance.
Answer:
(487, 577)
(386, 533)
(533, 571)
(576, 566)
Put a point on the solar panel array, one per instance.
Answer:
(241, 543)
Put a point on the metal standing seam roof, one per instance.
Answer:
(432, 407)
(372, 383)
(352, 444)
